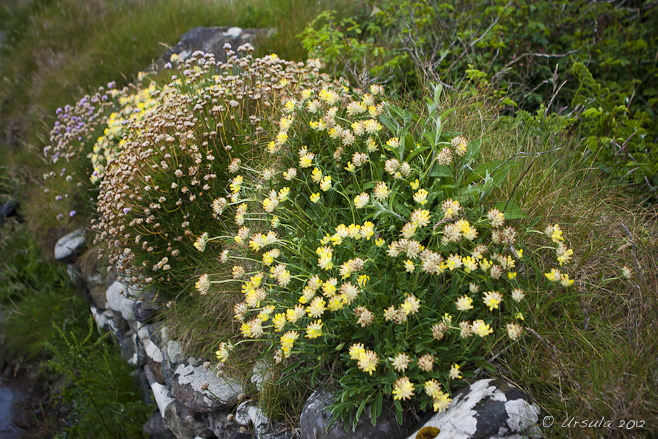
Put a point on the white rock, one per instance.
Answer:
(153, 351)
(162, 398)
(121, 298)
(222, 389)
(68, 244)
(233, 32)
(459, 420)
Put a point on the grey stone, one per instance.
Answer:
(315, 418)
(195, 421)
(10, 208)
(132, 349)
(156, 368)
(144, 311)
(488, 409)
(224, 428)
(69, 245)
(105, 320)
(247, 414)
(97, 295)
(174, 352)
(155, 428)
(174, 422)
(221, 392)
(144, 386)
(212, 40)
(120, 298)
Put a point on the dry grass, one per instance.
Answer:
(593, 350)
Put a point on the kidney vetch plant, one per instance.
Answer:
(366, 254)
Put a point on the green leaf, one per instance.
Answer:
(359, 411)
(441, 171)
(482, 170)
(376, 408)
(512, 211)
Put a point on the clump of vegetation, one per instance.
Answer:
(159, 196)
(525, 54)
(406, 269)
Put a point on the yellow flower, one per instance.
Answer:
(553, 276)
(314, 330)
(421, 196)
(403, 389)
(361, 200)
(565, 281)
(356, 350)
(480, 328)
(368, 362)
(279, 322)
(379, 242)
(336, 303)
(415, 185)
(350, 168)
(316, 175)
(464, 303)
(442, 402)
(315, 197)
(511, 275)
(492, 299)
(236, 184)
(316, 308)
(284, 193)
(454, 372)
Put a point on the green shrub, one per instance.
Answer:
(102, 391)
(526, 52)
(372, 254)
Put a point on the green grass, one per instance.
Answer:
(593, 350)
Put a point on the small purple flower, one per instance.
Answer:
(111, 84)
(58, 198)
(126, 210)
(72, 213)
(60, 216)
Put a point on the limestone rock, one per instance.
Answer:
(132, 350)
(488, 409)
(226, 429)
(248, 414)
(69, 245)
(105, 320)
(143, 311)
(187, 386)
(315, 418)
(155, 428)
(212, 40)
(120, 298)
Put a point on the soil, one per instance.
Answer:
(28, 409)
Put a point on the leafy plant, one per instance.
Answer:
(101, 390)
(371, 259)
